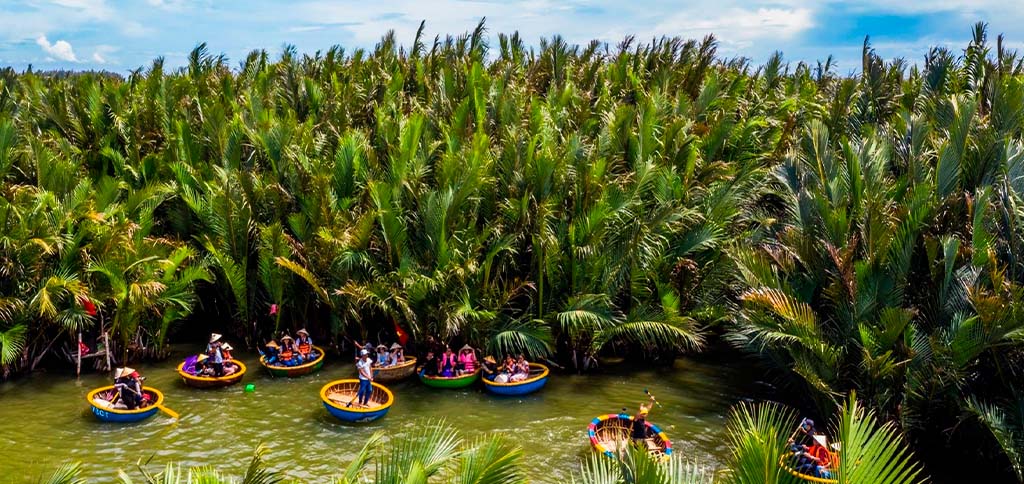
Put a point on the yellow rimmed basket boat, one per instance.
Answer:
(537, 379)
(788, 458)
(395, 373)
(611, 433)
(99, 401)
(297, 370)
(195, 381)
(338, 394)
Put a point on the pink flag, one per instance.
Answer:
(273, 309)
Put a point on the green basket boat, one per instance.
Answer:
(450, 382)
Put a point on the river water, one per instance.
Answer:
(46, 420)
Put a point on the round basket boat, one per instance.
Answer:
(213, 381)
(785, 463)
(99, 402)
(538, 377)
(612, 433)
(298, 370)
(450, 382)
(395, 373)
(338, 394)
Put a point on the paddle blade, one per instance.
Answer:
(169, 412)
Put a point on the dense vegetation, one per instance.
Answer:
(872, 453)
(860, 232)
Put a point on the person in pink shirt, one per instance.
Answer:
(467, 360)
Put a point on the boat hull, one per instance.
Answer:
(395, 373)
(538, 378)
(212, 382)
(609, 433)
(113, 415)
(347, 389)
(295, 371)
(453, 382)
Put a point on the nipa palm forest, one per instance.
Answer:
(858, 233)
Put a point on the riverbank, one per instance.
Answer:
(221, 427)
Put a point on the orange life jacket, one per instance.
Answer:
(285, 354)
(304, 348)
(822, 454)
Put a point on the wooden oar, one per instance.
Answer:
(652, 397)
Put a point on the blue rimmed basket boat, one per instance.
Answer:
(337, 394)
(107, 413)
(610, 434)
(537, 379)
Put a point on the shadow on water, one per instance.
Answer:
(221, 427)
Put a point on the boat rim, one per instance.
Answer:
(450, 378)
(543, 374)
(798, 475)
(263, 361)
(409, 361)
(241, 371)
(159, 401)
(387, 404)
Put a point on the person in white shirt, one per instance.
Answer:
(365, 367)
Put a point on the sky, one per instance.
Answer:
(122, 35)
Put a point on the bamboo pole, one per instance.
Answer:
(106, 343)
(78, 369)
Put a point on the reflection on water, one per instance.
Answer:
(47, 422)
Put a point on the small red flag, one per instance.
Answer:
(403, 337)
(83, 348)
(90, 308)
(273, 309)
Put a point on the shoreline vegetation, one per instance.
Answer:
(852, 233)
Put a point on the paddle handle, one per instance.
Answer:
(656, 402)
(169, 412)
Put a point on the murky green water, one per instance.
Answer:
(47, 422)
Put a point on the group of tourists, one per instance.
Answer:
(291, 351)
(215, 361)
(511, 369)
(812, 453)
(382, 355)
(128, 394)
(450, 365)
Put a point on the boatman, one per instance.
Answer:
(213, 350)
(639, 431)
(365, 367)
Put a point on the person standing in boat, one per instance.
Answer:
(639, 430)
(304, 345)
(365, 368)
(216, 354)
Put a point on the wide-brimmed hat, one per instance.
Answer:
(202, 358)
(382, 347)
(465, 348)
(821, 440)
(286, 337)
(227, 346)
(214, 337)
(273, 344)
(396, 346)
(490, 359)
(363, 352)
(303, 331)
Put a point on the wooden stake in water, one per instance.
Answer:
(78, 369)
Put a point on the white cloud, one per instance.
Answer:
(60, 50)
(740, 26)
(88, 9)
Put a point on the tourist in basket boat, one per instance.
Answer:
(128, 385)
(506, 370)
(216, 354)
(448, 362)
(430, 365)
(287, 356)
(397, 354)
(821, 458)
(383, 358)
(520, 369)
(304, 346)
(467, 360)
(365, 367)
